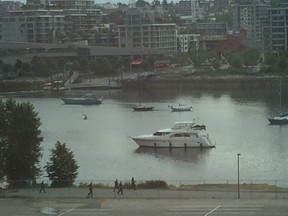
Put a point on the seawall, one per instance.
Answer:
(205, 82)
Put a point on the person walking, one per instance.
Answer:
(133, 186)
(90, 187)
(116, 186)
(42, 187)
(120, 189)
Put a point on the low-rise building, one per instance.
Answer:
(187, 42)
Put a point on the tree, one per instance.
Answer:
(62, 168)
(282, 63)
(20, 142)
(236, 60)
(164, 4)
(141, 3)
(3, 145)
(251, 57)
(40, 67)
(26, 67)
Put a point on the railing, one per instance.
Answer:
(172, 189)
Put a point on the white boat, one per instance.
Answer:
(54, 86)
(181, 135)
(181, 108)
(283, 117)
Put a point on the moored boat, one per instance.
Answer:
(181, 135)
(181, 108)
(281, 119)
(143, 108)
(54, 86)
(87, 99)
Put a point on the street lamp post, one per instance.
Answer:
(238, 175)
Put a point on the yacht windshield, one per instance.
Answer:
(160, 133)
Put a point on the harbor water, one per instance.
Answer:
(235, 120)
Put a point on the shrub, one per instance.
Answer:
(153, 184)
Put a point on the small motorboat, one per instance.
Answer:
(87, 99)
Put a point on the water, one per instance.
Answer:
(236, 122)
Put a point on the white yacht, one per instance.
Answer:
(181, 135)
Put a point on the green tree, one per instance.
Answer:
(26, 67)
(164, 4)
(106, 66)
(40, 67)
(251, 57)
(7, 68)
(20, 142)
(282, 63)
(236, 60)
(62, 168)
(141, 3)
(3, 145)
(18, 65)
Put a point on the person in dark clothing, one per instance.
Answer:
(133, 183)
(90, 187)
(120, 189)
(116, 186)
(42, 187)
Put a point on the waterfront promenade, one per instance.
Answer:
(212, 193)
(74, 201)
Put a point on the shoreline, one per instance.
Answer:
(157, 82)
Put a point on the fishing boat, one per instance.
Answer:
(182, 135)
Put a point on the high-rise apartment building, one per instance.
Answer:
(38, 26)
(250, 16)
(276, 31)
(144, 28)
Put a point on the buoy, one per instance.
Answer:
(84, 117)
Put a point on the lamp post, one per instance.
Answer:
(238, 175)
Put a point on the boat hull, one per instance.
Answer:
(278, 121)
(197, 143)
(143, 109)
(81, 101)
(180, 108)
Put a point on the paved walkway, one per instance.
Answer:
(144, 194)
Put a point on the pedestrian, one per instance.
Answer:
(120, 189)
(116, 187)
(42, 187)
(90, 187)
(133, 183)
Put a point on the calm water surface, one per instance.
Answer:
(236, 122)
